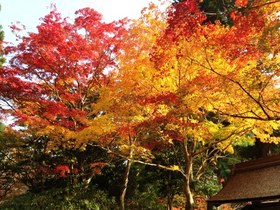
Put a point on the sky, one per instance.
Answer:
(29, 12)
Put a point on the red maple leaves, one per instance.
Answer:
(241, 3)
(184, 18)
(54, 74)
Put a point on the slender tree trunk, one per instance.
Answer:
(125, 183)
(126, 175)
(188, 175)
(170, 196)
(170, 202)
(188, 194)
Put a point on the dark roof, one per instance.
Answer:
(254, 180)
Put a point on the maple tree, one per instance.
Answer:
(197, 84)
(119, 100)
(175, 83)
(50, 84)
(54, 75)
(217, 71)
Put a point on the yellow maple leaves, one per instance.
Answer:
(208, 71)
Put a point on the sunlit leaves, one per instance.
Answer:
(55, 74)
(241, 3)
(170, 77)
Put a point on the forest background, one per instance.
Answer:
(138, 114)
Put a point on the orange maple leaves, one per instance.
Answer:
(241, 3)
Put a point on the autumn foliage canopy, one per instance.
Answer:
(137, 87)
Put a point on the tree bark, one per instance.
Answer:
(187, 188)
(125, 183)
(170, 196)
(189, 196)
(170, 202)
(188, 175)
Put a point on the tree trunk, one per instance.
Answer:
(170, 202)
(188, 194)
(125, 183)
(170, 196)
(188, 178)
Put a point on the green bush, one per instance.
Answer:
(69, 198)
(146, 200)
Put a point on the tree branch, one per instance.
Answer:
(168, 168)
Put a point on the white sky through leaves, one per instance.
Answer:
(29, 12)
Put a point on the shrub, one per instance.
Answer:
(68, 198)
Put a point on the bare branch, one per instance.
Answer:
(168, 168)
